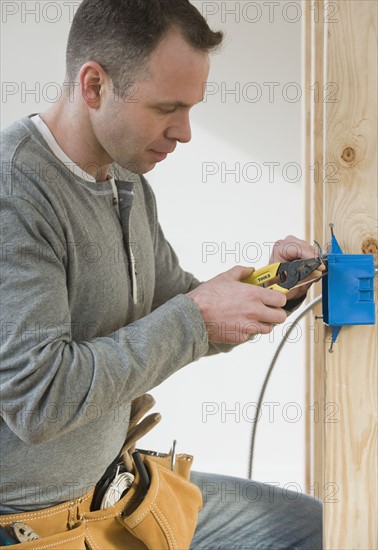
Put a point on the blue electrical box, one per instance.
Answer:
(348, 289)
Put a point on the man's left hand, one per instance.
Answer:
(289, 249)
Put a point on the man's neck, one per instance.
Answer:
(72, 131)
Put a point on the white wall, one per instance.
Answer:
(205, 208)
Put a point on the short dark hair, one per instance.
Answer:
(121, 34)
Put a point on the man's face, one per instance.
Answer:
(142, 128)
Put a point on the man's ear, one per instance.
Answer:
(92, 81)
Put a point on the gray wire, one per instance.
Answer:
(267, 377)
(302, 313)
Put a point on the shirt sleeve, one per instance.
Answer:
(43, 367)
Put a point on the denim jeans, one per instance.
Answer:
(241, 514)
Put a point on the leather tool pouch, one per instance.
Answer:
(163, 518)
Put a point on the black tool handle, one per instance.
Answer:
(6, 539)
(142, 471)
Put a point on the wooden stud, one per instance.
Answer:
(348, 131)
(351, 203)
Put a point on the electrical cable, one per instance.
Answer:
(118, 486)
(301, 314)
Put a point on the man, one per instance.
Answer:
(96, 309)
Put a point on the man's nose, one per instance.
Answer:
(179, 129)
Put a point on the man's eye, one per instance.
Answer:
(167, 110)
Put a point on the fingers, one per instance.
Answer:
(303, 288)
(291, 248)
(274, 316)
(273, 298)
(239, 272)
(233, 311)
(253, 330)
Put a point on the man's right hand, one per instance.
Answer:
(234, 311)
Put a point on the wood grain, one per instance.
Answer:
(351, 203)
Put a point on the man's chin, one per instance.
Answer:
(148, 168)
(136, 168)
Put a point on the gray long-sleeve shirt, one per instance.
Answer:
(78, 340)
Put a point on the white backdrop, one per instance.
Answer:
(223, 199)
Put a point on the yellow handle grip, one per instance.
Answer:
(264, 275)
